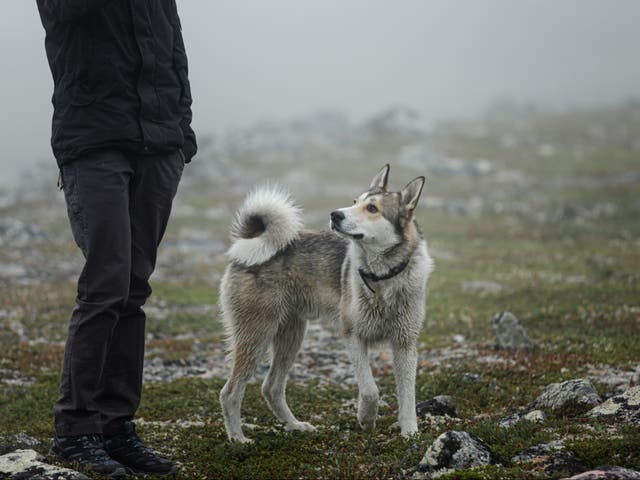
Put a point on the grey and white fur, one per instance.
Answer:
(369, 273)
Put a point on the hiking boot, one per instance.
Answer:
(127, 448)
(88, 452)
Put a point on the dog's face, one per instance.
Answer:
(378, 218)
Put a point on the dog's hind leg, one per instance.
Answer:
(286, 344)
(405, 359)
(367, 390)
(248, 350)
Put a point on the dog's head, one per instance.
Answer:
(378, 217)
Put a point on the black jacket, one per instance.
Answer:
(120, 76)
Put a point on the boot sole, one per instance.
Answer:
(142, 473)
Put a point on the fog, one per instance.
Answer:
(256, 61)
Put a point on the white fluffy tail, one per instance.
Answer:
(266, 223)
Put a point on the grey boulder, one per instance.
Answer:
(29, 464)
(625, 407)
(510, 334)
(439, 405)
(608, 473)
(558, 395)
(454, 450)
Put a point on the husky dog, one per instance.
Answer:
(370, 273)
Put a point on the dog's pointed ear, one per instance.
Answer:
(381, 178)
(410, 194)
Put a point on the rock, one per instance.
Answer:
(535, 416)
(616, 379)
(29, 464)
(557, 395)
(471, 377)
(537, 450)
(439, 406)
(625, 406)
(551, 458)
(454, 450)
(608, 472)
(510, 421)
(510, 335)
(14, 378)
(19, 440)
(16, 234)
(23, 440)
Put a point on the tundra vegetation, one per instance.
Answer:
(532, 212)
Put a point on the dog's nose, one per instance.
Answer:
(337, 216)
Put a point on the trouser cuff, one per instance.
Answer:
(63, 429)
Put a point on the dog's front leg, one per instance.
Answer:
(405, 359)
(367, 389)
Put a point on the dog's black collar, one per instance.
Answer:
(376, 278)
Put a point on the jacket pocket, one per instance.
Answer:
(69, 181)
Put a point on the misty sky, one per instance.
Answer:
(259, 60)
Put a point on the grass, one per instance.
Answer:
(572, 280)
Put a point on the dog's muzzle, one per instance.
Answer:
(336, 219)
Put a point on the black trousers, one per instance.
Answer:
(118, 205)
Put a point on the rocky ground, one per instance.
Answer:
(530, 356)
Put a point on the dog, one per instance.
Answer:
(369, 272)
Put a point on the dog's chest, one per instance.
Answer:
(383, 315)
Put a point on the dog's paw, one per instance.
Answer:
(408, 431)
(367, 425)
(368, 413)
(300, 426)
(367, 417)
(241, 439)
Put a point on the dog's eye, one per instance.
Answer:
(371, 208)
(354, 201)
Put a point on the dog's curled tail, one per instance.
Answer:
(267, 222)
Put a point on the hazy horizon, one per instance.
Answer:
(256, 61)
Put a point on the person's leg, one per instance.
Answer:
(151, 192)
(96, 188)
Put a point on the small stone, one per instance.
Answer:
(535, 416)
(625, 406)
(439, 406)
(510, 421)
(510, 334)
(551, 458)
(23, 440)
(538, 450)
(29, 464)
(608, 472)
(471, 377)
(454, 450)
(17, 441)
(557, 395)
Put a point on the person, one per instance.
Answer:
(121, 135)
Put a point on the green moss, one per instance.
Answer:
(606, 449)
(185, 293)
